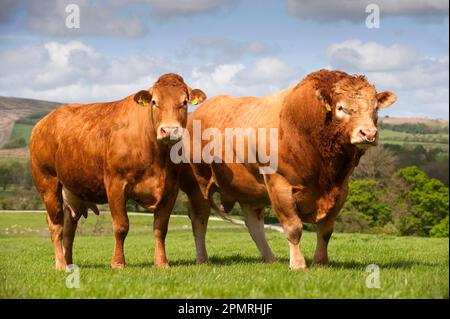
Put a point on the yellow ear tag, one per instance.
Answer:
(195, 101)
(142, 102)
(328, 107)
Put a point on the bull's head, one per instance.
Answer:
(168, 101)
(354, 103)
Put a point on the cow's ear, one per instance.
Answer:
(196, 96)
(143, 98)
(324, 99)
(386, 99)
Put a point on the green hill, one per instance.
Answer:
(17, 117)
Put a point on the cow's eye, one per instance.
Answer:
(154, 103)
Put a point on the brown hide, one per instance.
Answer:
(110, 152)
(323, 125)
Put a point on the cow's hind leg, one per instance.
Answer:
(254, 219)
(121, 225)
(50, 190)
(70, 227)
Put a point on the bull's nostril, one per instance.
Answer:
(362, 132)
(163, 131)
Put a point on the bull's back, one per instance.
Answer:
(239, 181)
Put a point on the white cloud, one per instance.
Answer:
(394, 66)
(116, 18)
(96, 18)
(185, 7)
(334, 10)
(220, 50)
(370, 56)
(75, 72)
(420, 81)
(264, 76)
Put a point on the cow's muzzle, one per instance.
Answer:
(169, 134)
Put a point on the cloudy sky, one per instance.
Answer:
(246, 47)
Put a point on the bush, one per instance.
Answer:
(365, 197)
(15, 143)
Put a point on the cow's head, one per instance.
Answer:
(353, 104)
(168, 101)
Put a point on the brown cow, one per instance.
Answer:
(82, 155)
(325, 124)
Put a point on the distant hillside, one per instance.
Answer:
(414, 120)
(17, 117)
(27, 111)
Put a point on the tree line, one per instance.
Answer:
(394, 190)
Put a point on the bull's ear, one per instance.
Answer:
(324, 98)
(386, 99)
(143, 98)
(196, 96)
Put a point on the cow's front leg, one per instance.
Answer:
(280, 193)
(160, 225)
(117, 204)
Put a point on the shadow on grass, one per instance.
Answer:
(237, 259)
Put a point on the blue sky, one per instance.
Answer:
(235, 47)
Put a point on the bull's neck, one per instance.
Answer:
(333, 162)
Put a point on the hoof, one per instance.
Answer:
(162, 265)
(269, 260)
(117, 266)
(60, 267)
(200, 261)
(298, 267)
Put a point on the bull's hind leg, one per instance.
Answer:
(50, 190)
(199, 211)
(254, 219)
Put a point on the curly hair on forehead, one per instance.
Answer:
(339, 82)
(170, 79)
(354, 86)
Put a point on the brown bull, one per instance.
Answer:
(325, 124)
(82, 155)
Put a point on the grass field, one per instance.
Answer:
(409, 267)
(403, 138)
(21, 130)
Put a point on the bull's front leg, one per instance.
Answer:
(280, 193)
(117, 202)
(325, 228)
(324, 232)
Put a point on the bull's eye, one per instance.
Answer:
(154, 103)
(343, 109)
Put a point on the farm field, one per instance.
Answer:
(22, 131)
(426, 140)
(410, 267)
